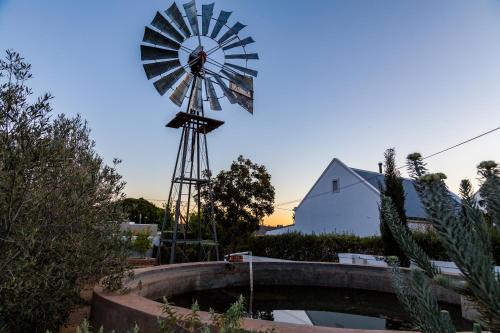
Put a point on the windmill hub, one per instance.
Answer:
(196, 62)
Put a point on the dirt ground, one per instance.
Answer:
(79, 313)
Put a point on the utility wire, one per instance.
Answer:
(277, 206)
(403, 166)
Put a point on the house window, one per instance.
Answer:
(335, 185)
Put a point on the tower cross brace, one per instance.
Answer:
(191, 178)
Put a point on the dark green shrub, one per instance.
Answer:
(142, 243)
(393, 189)
(142, 211)
(184, 253)
(325, 247)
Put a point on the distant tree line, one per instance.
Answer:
(142, 211)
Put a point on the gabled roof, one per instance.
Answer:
(413, 205)
(375, 181)
(336, 160)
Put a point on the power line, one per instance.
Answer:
(287, 209)
(405, 165)
(277, 206)
(462, 143)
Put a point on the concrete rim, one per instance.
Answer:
(120, 311)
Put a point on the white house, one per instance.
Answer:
(346, 200)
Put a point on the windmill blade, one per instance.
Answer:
(231, 32)
(162, 24)
(166, 82)
(196, 99)
(190, 9)
(242, 42)
(206, 14)
(244, 101)
(246, 56)
(225, 89)
(221, 21)
(243, 97)
(180, 92)
(156, 53)
(175, 14)
(157, 68)
(240, 80)
(243, 69)
(153, 37)
(212, 96)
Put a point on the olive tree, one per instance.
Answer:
(57, 208)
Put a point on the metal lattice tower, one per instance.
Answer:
(204, 80)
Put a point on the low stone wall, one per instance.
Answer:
(122, 311)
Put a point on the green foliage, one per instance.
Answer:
(184, 253)
(228, 322)
(324, 247)
(423, 307)
(243, 196)
(468, 240)
(86, 328)
(142, 211)
(175, 322)
(57, 207)
(489, 172)
(393, 189)
(142, 243)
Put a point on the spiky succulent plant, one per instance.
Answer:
(465, 231)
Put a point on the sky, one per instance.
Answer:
(337, 78)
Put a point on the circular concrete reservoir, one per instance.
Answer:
(298, 296)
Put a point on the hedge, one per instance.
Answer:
(325, 247)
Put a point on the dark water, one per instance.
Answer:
(333, 307)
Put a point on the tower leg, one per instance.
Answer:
(211, 216)
(169, 202)
(178, 207)
(191, 178)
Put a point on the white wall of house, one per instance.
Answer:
(352, 210)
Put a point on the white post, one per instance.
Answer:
(250, 262)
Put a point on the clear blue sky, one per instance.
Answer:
(343, 79)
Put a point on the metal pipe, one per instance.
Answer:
(250, 262)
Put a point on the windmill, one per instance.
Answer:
(196, 67)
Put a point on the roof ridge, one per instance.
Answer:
(358, 169)
(377, 173)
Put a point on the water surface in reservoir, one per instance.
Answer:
(318, 306)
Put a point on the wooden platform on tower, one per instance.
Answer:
(206, 125)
